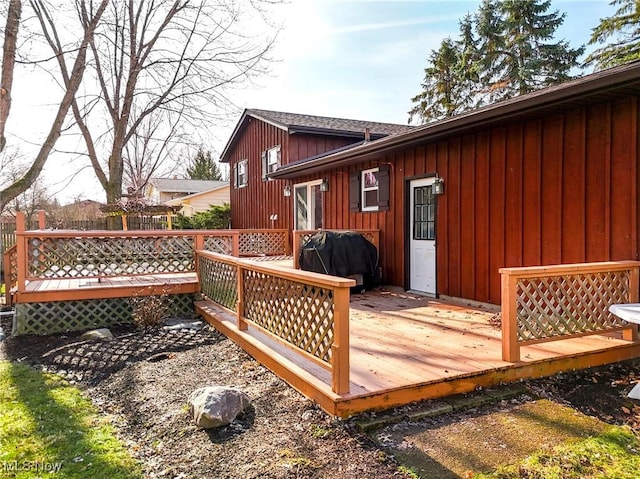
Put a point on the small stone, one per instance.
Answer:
(307, 415)
(103, 334)
(174, 324)
(215, 406)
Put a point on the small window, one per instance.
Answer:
(370, 190)
(270, 161)
(424, 213)
(241, 174)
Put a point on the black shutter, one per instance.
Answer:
(264, 165)
(234, 176)
(354, 191)
(383, 188)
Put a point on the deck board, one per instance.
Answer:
(65, 289)
(405, 348)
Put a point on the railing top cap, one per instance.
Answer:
(571, 268)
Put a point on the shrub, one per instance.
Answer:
(216, 217)
(149, 311)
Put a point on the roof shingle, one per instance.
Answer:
(293, 121)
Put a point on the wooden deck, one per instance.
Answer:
(68, 289)
(405, 348)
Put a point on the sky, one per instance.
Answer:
(360, 59)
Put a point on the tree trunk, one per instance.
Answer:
(8, 63)
(77, 73)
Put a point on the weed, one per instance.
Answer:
(409, 472)
(149, 311)
(320, 432)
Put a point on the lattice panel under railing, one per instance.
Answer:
(256, 243)
(62, 257)
(219, 281)
(61, 316)
(569, 304)
(301, 315)
(12, 274)
(219, 244)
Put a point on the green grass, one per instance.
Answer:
(47, 423)
(611, 455)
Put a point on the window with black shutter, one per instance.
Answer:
(369, 189)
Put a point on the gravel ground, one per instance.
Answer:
(142, 379)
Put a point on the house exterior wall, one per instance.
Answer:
(203, 202)
(252, 206)
(562, 188)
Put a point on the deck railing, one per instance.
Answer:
(264, 242)
(300, 237)
(548, 303)
(56, 254)
(308, 312)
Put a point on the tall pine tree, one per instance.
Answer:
(521, 56)
(440, 91)
(504, 50)
(622, 30)
(203, 167)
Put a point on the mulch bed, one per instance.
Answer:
(141, 381)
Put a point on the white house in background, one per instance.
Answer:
(161, 190)
(202, 201)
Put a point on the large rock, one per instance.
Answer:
(215, 406)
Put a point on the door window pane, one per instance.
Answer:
(424, 213)
(301, 207)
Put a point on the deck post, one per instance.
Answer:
(198, 244)
(41, 220)
(235, 246)
(287, 243)
(510, 347)
(631, 333)
(124, 222)
(22, 250)
(242, 324)
(340, 348)
(296, 249)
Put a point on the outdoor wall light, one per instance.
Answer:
(438, 186)
(324, 186)
(286, 191)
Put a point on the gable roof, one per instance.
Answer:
(605, 85)
(177, 201)
(181, 185)
(311, 124)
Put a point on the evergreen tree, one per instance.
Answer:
(504, 50)
(439, 97)
(203, 167)
(624, 27)
(468, 65)
(520, 57)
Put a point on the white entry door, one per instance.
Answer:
(422, 234)
(307, 206)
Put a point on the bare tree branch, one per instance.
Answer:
(72, 85)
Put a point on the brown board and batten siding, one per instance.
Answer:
(558, 188)
(254, 205)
